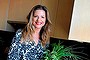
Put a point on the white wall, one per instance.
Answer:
(80, 24)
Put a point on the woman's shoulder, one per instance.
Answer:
(19, 31)
(17, 36)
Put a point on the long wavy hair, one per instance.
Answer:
(45, 30)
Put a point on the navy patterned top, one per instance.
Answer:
(26, 50)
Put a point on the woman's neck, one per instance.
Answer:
(37, 31)
(36, 36)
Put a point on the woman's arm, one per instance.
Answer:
(15, 48)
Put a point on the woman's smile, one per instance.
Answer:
(38, 23)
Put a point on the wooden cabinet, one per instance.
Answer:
(63, 18)
(19, 9)
(60, 13)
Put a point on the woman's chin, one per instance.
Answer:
(38, 27)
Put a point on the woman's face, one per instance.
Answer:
(39, 19)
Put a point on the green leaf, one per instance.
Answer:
(60, 52)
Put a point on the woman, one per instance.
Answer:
(29, 43)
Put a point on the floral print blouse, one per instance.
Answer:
(24, 51)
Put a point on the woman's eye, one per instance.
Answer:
(42, 17)
(35, 16)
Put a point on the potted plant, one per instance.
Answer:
(61, 52)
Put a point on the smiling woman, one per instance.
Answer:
(30, 43)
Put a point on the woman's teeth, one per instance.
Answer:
(38, 23)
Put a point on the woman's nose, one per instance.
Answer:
(38, 18)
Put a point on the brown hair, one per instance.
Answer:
(29, 29)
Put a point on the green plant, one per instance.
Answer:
(60, 52)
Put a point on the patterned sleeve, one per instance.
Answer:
(14, 52)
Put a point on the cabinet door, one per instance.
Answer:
(52, 7)
(63, 19)
(19, 9)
